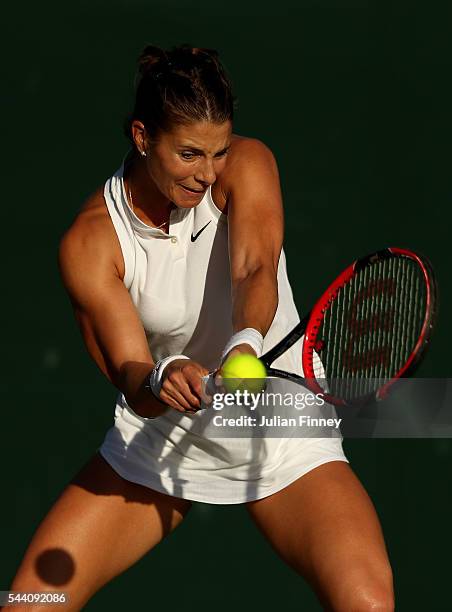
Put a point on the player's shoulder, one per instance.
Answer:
(249, 162)
(91, 222)
(91, 237)
(244, 149)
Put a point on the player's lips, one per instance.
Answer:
(192, 191)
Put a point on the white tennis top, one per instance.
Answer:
(180, 284)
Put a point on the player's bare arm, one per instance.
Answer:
(255, 218)
(91, 266)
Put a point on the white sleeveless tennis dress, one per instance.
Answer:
(180, 284)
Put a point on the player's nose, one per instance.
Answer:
(206, 173)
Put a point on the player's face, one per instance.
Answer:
(184, 162)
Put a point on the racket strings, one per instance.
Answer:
(371, 327)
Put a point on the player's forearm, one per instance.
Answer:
(134, 383)
(255, 300)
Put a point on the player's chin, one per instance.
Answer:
(185, 198)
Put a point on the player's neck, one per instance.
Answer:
(147, 201)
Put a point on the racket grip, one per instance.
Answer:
(209, 388)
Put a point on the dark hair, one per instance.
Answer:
(179, 86)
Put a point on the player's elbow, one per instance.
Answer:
(263, 273)
(252, 266)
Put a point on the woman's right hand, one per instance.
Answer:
(181, 387)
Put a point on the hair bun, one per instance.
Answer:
(208, 53)
(151, 58)
(185, 57)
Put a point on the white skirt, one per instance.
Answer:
(171, 456)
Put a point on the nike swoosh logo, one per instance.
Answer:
(193, 238)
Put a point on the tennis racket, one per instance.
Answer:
(369, 328)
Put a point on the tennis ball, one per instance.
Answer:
(244, 372)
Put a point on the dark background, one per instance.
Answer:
(354, 99)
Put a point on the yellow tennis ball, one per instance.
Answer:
(244, 372)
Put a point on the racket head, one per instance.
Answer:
(371, 326)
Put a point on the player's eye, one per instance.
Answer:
(222, 153)
(187, 155)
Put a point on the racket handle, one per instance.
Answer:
(208, 384)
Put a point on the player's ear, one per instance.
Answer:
(139, 136)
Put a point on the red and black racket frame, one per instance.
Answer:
(311, 324)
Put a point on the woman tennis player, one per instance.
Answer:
(171, 266)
